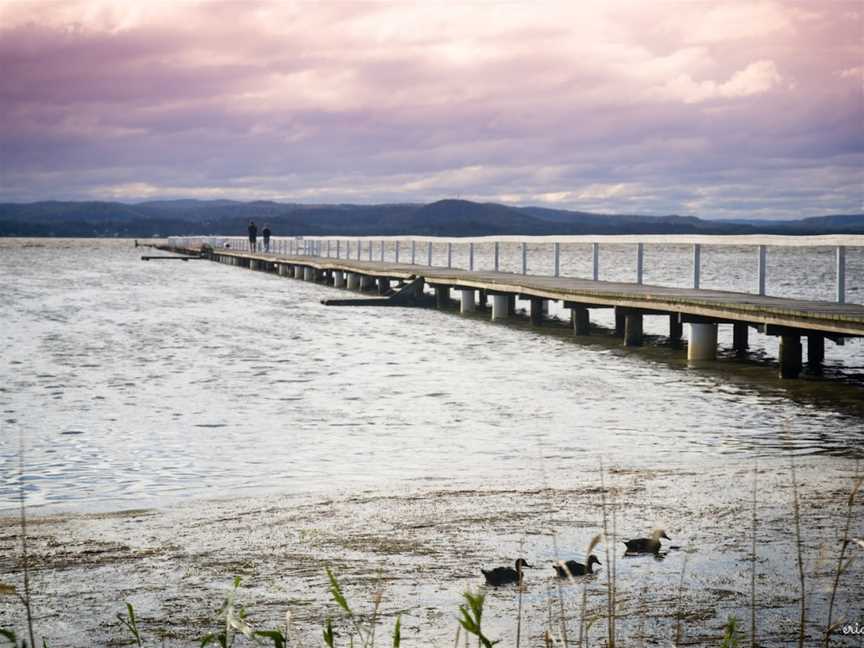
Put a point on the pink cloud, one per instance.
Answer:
(407, 101)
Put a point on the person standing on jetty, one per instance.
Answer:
(266, 234)
(253, 236)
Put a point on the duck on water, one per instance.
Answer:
(573, 568)
(646, 545)
(506, 575)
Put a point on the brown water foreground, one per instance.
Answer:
(422, 549)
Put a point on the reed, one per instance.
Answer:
(610, 577)
(679, 607)
(796, 511)
(753, 563)
(26, 598)
(844, 543)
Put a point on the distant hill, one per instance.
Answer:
(441, 218)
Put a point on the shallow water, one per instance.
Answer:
(139, 383)
(272, 435)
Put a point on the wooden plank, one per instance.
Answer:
(828, 317)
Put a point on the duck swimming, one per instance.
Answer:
(505, 575)
(646, 545)
(573, 568)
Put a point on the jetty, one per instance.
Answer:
(793, 321)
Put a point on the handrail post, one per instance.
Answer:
(557, 260)
(595, 261)
(371, 245)
(449, 255)
(497, 255)
(524, 258)
(760, 270)
(640, 257)
(471, 257)
(413, 252)
(397, 251)
(338, 250)
(382, 251)
(697, 264)
(841, 274)
(328, 248)
(429, 253)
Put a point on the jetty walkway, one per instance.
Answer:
(792, 320)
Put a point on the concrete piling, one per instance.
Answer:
(500, 307)
(703, 342)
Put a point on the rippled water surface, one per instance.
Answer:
(138, 383)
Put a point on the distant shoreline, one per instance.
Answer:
(452, 218)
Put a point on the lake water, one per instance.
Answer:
(169, 384)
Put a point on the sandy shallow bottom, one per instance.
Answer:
(422, 549)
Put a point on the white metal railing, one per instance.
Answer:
(355, 247)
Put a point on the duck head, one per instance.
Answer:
(521, 563)
(592, 560)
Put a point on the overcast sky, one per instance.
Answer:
(715, 109)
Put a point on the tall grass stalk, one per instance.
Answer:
(25, 599)
(796, 510)
(753, 563)
(844, 542)
(679, 605)
(610, 582)
(562, 619)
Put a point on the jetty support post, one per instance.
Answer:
(309, 274)
(676, 329)
(815, 353)
(353, 281)
(537, 310)
(620, 321)
(298, 272)
(482, 298)
(632, 328)
(579, 318)
(467, 304)
(338, 279)
(702, 344)
(790, 356)
(500, 306)
(442, 297)
(740, 341)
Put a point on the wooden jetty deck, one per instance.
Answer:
(703, 310)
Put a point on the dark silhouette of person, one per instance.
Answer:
(253, 236)
(266, 234)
